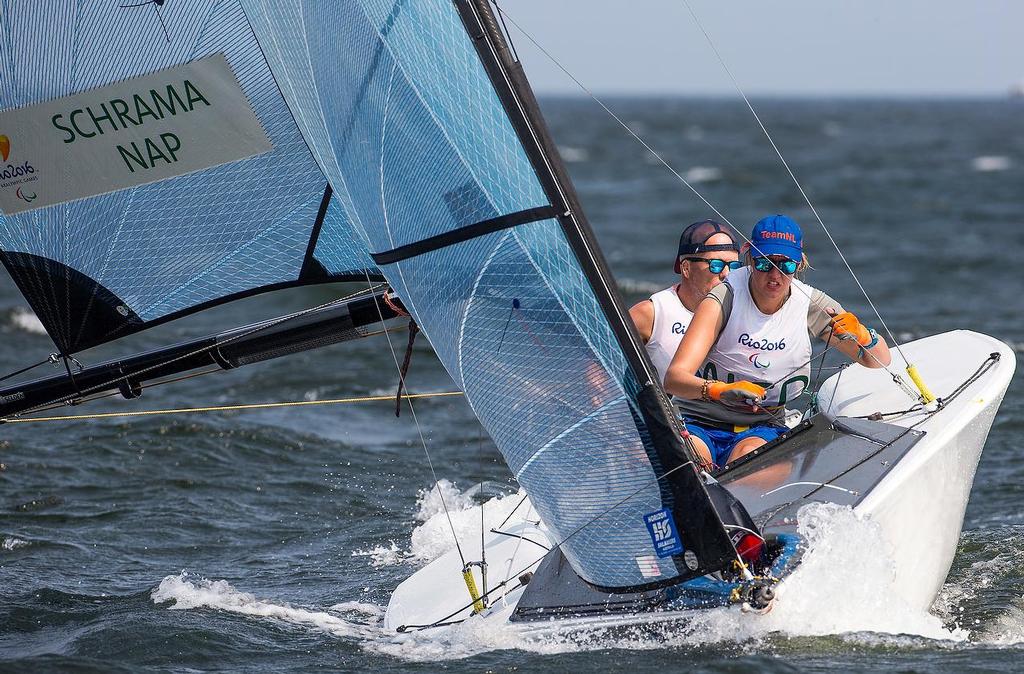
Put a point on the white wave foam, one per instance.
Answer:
(218, 594)
(1008, 627)
(25, 319)
(990, 163)
(370, 610)
(12, 543)
(383, 555)
(433, 537)
(832, 129)
(846, 583)
(573, 155)
(845, 586)
(633, 286)
(703, 174)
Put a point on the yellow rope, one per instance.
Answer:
(226, 408)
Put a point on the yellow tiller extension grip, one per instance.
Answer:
(926, 395)
(478, 602)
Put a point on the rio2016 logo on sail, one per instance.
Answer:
(15, 173)
(761, 344)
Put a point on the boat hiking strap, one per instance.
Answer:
(226, 408)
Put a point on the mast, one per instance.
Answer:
(702, 527)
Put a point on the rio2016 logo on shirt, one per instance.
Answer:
(5, 147)
(677, 328)
(761, 344)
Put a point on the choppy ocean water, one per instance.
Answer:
(270, 540)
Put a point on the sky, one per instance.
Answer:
(780, 47)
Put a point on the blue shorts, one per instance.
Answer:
(721, 442)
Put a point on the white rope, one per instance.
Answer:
(792, 175)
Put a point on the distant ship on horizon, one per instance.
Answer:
(1017, 89)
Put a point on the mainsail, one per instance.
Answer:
(107, 265)
(405, 128)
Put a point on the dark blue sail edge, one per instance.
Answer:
(396, 106)
(102, 267)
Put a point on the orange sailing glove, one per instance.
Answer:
(741, 392)
(846, 326)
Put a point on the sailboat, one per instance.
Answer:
(165, 157)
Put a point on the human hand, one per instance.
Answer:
(847, 326)
(738, 393)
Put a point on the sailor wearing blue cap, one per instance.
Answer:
(749, 345)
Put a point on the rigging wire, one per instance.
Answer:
(52, 358)
(419, 429)
(792, 175)
(222, 408)
(819, 305)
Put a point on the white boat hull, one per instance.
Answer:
(918, 505)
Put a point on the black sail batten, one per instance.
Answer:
(464, 234)
(245, 345)
(311, 267)
(702, 529)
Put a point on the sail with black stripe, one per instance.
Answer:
(431, 139)
(366, 139)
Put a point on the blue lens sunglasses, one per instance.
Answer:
(716, 266)
(787, 267)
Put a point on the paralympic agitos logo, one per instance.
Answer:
(759, 362)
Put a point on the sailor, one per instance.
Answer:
(750, 344)
(708, 251)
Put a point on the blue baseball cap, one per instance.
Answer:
(777, 235)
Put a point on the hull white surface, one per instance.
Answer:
(919, 504)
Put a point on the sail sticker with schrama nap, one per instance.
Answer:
(138, 131)
(663, 532)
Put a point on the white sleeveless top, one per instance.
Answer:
(671, 319)
(765, 348)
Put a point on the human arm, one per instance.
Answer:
(856, 342)
(693, 350)
(822, 315)
(642, 314)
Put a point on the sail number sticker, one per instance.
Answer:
(134, 132)
(663, 532)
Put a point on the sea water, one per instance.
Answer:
(270, 540)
